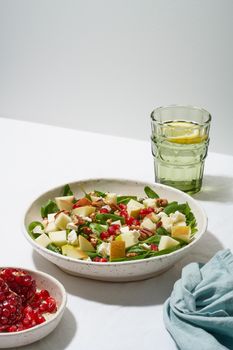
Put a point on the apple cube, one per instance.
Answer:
(130, 238)
(43, 240)
(51, 227)
(110, 198)
(148, 224)
(64, 203)
(134, 207)
(117, 249)
(62, 220)
(167, 242)
(150, 203)
(84, 244)
(84, 211)
(58, 237)
(73, 252)
(181, 232)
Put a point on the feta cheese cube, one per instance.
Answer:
(104, 249)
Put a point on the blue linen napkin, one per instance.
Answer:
(199, 312)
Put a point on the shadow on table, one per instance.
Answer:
(216, 189)
(153, 291)
(60, 338)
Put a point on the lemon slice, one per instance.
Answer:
(183, 133)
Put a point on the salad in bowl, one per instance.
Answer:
(102, 226)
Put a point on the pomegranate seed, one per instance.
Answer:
(122, 206)
(43, 306)
(124, 213)
(154, 247)
(96, 259)
(104, 235)
(20, 282)
(51, 304)
(40, 319)
(103, 260)
(44, 294)
(113, 228)
(159, 224)
(146, 211)
(10, 306)
(12, 328)
(104, 211)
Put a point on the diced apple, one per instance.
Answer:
(134, 207)
(84, 244)
(84, 211)
(110, 198)
(130, 238)
(148, 224)
(62, 220)
(150, 203)
(64, 203)
(51, 217)
(58, 237)
(51, 227)
(153, 217)
(167, 242)
(117, 250)
(181, 232)
(73, 252)
(43, 240)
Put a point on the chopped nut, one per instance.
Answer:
(131, 254)
(161, 202)
(94, 241)
(98, 203)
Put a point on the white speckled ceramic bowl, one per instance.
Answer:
(31, 335)
(118, 271)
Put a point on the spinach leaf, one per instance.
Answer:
(125, 199)
(67, 191)
(137, 249)
(48, 208)
(31, 228)
(162, 232)
(102, 218)
(150, 193)
(164, 251)
(98, 228)
(155, 239)
(171, 208)
(100, 194)
(54, 248)
(93, 254)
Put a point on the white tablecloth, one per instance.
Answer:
(99, 315)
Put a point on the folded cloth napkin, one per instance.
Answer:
(199, 312)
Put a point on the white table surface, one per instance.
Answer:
(99, 315)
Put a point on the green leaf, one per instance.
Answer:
(150, 193)
(54, 248)
(100, 194)
(155, 239)
(31, 228)
(98, 228)
(48, 208)
(125, 199)
(102, 218)
(171, 208)
(162, 232)
(92, 254)
(67, 191)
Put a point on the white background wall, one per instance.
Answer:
(103, 65)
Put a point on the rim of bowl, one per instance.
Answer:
(156, 109)
(109, 263)
(58, 312)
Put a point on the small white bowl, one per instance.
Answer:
(116, 271)
(31, 335)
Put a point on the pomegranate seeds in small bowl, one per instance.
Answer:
(31, 305)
